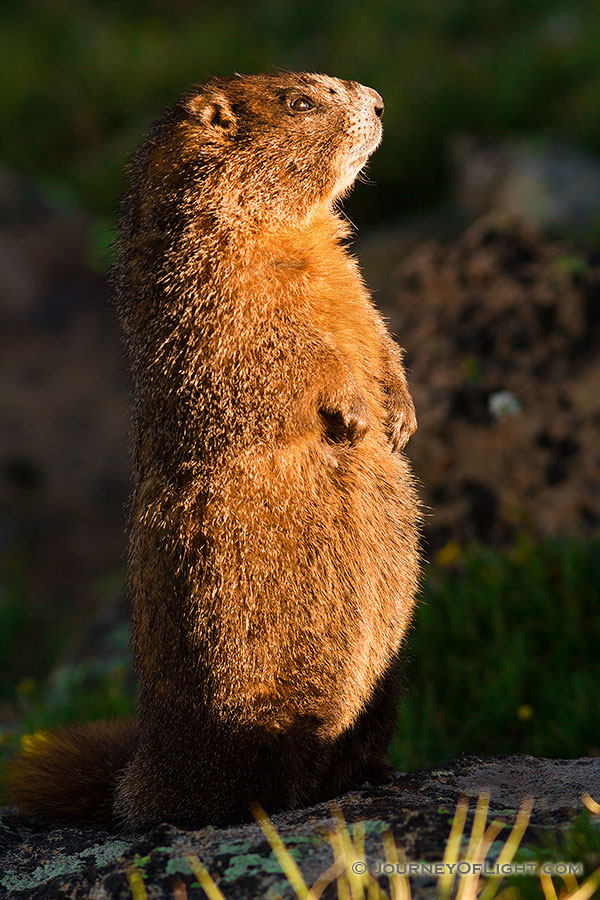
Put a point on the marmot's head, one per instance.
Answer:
(266, 146)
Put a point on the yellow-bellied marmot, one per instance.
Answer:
(274, 523)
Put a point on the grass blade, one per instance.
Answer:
(452, 850)
(287, 862)
(136, 883)
(206, 883)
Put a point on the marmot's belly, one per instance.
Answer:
(311, 502)
(312, 569)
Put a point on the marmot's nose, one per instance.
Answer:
(377, 100)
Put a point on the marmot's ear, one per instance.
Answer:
(214, 111)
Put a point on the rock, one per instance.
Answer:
(38, 863)
(543, 182)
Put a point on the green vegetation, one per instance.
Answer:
(579, 843)
(23, 658)
(504, 655)
(80, 81)
(80, 692)
(45, 678)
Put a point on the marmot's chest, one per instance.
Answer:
(326, 290)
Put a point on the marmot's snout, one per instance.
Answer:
(375, 100)
(364, 129)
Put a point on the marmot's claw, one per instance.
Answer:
(357, 419)
(402, 423)
(346, 420)
(400, 435)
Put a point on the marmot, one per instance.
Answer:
(274, 523)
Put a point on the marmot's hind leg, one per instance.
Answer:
(360, 754)
(203, 787)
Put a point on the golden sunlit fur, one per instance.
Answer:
(274, 558)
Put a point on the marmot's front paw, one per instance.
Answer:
(346, 418)
(401, 420)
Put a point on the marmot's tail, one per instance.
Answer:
(70, 776)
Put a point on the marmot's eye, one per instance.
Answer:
(301, 104)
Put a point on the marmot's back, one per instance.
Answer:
(274, 554)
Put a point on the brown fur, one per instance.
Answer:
(65, 776)
(274, 555)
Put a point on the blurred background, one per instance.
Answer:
(479, 236)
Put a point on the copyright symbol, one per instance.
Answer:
(359, 868)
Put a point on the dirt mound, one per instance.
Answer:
(502, 332)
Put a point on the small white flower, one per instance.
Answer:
(503, 403)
